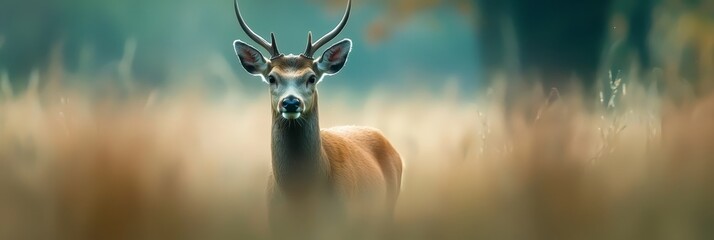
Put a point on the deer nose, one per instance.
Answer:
(290, 104)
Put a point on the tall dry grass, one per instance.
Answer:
(80, 162)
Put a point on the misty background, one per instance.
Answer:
(134, 120)
(397, 43)
(180, 37)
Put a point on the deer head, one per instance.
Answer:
(293, 78)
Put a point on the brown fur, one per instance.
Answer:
(362, 159)
(363, 175)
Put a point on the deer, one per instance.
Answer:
(318, 175)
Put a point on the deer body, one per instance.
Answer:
(319, 176)
(346, 170)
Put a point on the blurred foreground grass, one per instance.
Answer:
(176, 164)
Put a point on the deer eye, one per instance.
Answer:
(271, 79)
(312, 79)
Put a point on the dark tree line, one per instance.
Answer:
(555, 40)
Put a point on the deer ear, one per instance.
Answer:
(335, 57)
(251, 59)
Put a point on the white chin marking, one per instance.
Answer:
(291, 116)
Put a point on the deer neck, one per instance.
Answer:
(299, 162)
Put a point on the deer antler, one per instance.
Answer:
(271, 47)
(311, 48)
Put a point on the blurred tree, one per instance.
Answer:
(630, 28)
(555, 39)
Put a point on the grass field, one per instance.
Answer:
(176, 164)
